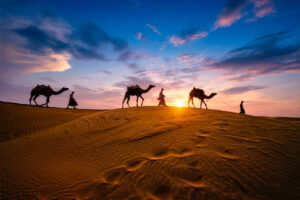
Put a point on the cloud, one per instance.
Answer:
(242, 89)
(263, 8)
(268, 54)
(82, 43)
(93, 36)
(130, 54)
(48, 79)
(131, 80)
(230, 13)
(154, 29)
(233, 11)
(17, 61)
(188, 34)
(48, 43)
(139, 36)
(133, 66)
(188, 59)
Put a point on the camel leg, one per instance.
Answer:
(34, 99)
(125, 97)
(47, 101)
(201, 104)
(128, 98)
(193, 102)
(205, 104)
(189, 101)
(142, 100)
(137, 101)
(30, 99)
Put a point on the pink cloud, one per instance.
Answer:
(230, 13)
(154, 29)
(263, 8)
(226, 21)
(17, 61)
(178, 40)
(139, 36)
(233, 11)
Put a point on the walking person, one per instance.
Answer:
(72, 102)
(161, 98)
(242, 108)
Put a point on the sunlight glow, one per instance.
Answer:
(179, 103)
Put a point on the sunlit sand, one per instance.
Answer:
(146, 153)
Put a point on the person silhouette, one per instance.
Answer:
(161, 98)
(72, 102)
(242, 108)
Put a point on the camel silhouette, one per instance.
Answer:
(46, 91)
(135, 91)
(199, 93)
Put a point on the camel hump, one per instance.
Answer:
(42, 87)
(196, 91)
(133, 87)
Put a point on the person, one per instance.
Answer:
(161, 98)
(242, 108)
(72, 101)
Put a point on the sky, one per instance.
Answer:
(241, 49)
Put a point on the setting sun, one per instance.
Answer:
(179, 103)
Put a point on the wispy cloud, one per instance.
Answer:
(230, 13)
(263, 8)
(48, 79)
(234, 10)
(154, 29)
(188, 34)
(242, 89)
(265, 55)
(130, 54)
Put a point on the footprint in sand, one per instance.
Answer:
(135, 164)
(165, 152)
(162, 191)
(193, 163)
(203, 132)
(227, 153)
(191, 176)
(199, 139)
(160, 153)
(113, 175)
(220, 124)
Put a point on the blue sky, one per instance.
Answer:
(242, 49)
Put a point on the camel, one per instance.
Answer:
(199, 93)
(46, 91)
(135, 91)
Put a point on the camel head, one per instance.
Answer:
(64, 89)
(151, 86)
(212, 95)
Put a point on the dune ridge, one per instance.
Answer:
(148, 153)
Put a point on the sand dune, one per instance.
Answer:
(147, 153)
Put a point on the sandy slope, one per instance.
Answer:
(19, 120)
(150, 153)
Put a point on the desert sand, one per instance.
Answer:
(147, 153)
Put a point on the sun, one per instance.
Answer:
(179, 103)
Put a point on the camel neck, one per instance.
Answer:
(147, 90)
(57, 92)
(208, 97)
